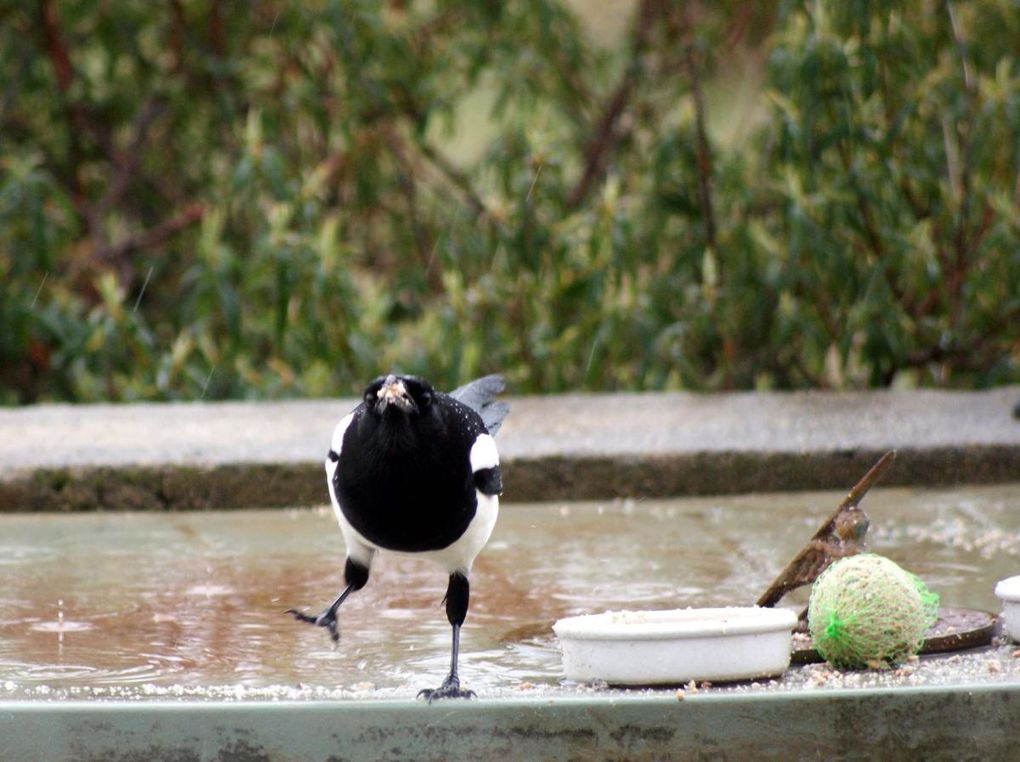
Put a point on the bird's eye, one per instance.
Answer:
(333, 455)
(426, 399)
(369, 398)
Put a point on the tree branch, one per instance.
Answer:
(63, 72)
(974, 353)
(56, 49)
(157, 234)
(607, 133)
(962, 178)
(455, 177)
(127, 162)
(704, 151)
(447, 171)
(405, 180)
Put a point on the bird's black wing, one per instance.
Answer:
(480, 396)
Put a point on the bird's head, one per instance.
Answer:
(392, 394)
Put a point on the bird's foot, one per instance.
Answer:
(326, 619)
(449, 689)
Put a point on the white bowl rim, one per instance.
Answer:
(1008, 589)
(675, 623)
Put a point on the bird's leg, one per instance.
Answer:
(457, 596)
(356, 576)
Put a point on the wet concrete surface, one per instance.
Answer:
(576, 446)
(191, 605)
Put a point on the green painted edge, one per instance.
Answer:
(921, 722)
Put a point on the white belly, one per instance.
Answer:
(455, 557)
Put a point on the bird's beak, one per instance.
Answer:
(393, 392)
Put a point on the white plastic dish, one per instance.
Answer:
(1008, 591)
(676, 646)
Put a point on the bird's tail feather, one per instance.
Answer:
(480, 396)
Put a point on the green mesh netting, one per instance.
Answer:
(865, 611)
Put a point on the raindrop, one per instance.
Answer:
(142, 291)
(207, 380)
(39, 290)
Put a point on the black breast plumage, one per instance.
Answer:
(406, 483)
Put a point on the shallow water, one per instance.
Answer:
(192, 604)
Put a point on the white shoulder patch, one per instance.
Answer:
(337, 442)
(483, 453)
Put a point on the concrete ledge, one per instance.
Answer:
(241, 454)
(959, 722)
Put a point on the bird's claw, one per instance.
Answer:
(326, 619)
(449, 689)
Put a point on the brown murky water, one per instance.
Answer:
(189, 604)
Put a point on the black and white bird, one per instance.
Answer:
(413, 470)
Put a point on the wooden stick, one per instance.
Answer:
(840, 536)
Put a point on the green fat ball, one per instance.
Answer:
(866, 611)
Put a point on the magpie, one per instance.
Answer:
(412, 470)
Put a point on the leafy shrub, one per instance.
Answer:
(275, 199)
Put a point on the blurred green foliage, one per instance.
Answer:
(221, 200)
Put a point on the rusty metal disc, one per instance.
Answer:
(954, 630)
